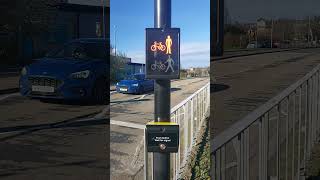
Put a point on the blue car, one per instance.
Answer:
(77, 71)
(135, 84)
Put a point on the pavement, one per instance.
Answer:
(249, 52)
(243, 84)
(52, 139)
(129, 114)
(9, 82)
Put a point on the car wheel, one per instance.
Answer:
(99, 92)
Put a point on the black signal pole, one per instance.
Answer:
(161, 161)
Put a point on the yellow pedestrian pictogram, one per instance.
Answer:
(168, 44)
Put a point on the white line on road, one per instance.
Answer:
(104, 113)
(9, 95)
(128, 124)
(113, 92)
(142, 96)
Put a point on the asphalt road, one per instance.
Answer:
(52, 140)
(242, 84)
(129, 114)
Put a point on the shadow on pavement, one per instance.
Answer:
(131, 100)
(71, 123)
(218, 87)
(71, 102)
(175, 89)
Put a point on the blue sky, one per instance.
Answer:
(131, 17)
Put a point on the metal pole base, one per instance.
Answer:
(162, 163)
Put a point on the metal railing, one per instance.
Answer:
(190, 115)
(275, 140)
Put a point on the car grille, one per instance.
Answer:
(44, 81)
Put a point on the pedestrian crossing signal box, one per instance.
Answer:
(162, 137)
(162, 53)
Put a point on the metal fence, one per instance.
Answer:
(275, 140)
(190, 115)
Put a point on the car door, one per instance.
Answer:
(150, 84)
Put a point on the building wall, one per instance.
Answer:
(71, 23)
(88, 25)
(133, 68)
(90, 2)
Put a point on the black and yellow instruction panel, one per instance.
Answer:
(162, 137)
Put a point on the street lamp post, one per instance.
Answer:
(115, 40)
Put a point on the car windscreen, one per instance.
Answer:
(81, 51)
(136, 77)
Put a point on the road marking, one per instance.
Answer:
(104, 113)
(128, 100)
(9, 95)
(142, 97)
(128, 124)
(113, 92)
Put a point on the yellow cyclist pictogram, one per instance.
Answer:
(158, 45)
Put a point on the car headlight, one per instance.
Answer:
(135, 85)
(24, 71)
(80, 75)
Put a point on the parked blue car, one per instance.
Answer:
(135, 84)
(77, 71)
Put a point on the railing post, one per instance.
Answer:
(213, 165)
(266, 146)
(312, 111)
(192, 117)
(223, 163)
(299, 133)
(318, 106)
(260, 148)
(278, 143)
(178, 158)
(186, 129)
(242, 158)
(218, 163)
(238, 154)
(293, 134)
(305, 127)
(247, 153)
(310, 117)
(287, 138)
